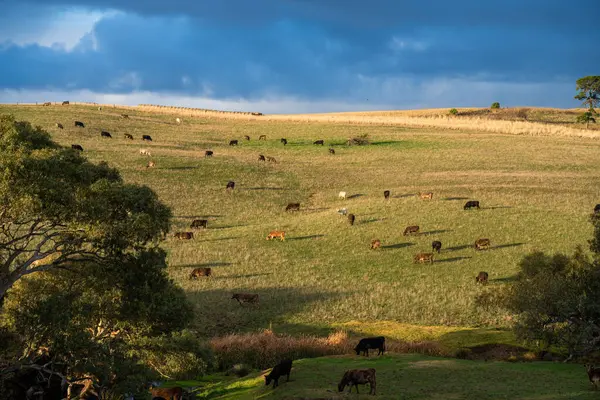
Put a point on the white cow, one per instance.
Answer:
(178, 120)
(342, 211)
(342, 195)
(145, 152)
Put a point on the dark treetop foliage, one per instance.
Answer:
(588, 91)
(58, 208)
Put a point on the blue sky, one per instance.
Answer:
(298, 55)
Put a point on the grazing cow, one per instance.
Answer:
(481, 244)
(293, 207)
(375, 244)
(200, 272)
(370, 343)
(147, 137)
(65, 103)
(331, 151)
(178, 120)
(284, 141)
(261, 157)
(423, 258)
(199, 223)
(321, 142)
(351, 218)
(342, 195)
(281, 369)
(79, 124)
(246, 137)
(230, 185)
(436, 246)
(184, 235)
(208, 153)
(355, 377)
(105, 134)
(245, 298)
(271, 159)
(262, 137)
(411, 229)
(276, 234)
(77, 147)
(593, 374)
(342, 211)
(233, 142)
(124, 116)
(128, 136)
(99, 108)
(426, 196)
(145, 152)
(59, 125)
(597, 209)
(482, 278)
(151, 164)
(471, 204)
(386, 194)
(174, 393)
(47, 103)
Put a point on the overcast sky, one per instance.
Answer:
(298, 55)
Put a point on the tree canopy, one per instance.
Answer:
(588, 91)
(58, 208)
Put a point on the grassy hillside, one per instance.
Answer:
(413, 377)
(535, 192)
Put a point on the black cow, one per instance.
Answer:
(128, 136)
(261, 157)
(281, 369)
(471, 204)
(77, 147)
(284, 141)
(105, 134)
(597, 209)
(370, 343)
(351, 218)
(386, 194)
(79, 124)
(147, 137)
(331, 151)
(233, 142)
(65, 103)
(199, 223)
(321, 142)
(230, 185)
(293, 207)
(436, 246)
(482, 278)
(208, 153)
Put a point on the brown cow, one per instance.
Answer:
(174, 393)
(423, 258)
(245, 298)
(355, 377)
(246, 137)
(124, 116)
(208, 153)
(261, 157)
(59, 125)
(331, 151)
(47, 103)
(199, 223)
(151, 164)
(411, 229)
(482, 278)
(230, 185)
(386, 194)
(262, 137)
(593, 374)
(271, 159)
(375, 244)
(257, 114)
(77, 147)
(184, 235)
(199, 272)
(276, 234)
(351, 218)
(293, 207)
(426, 196)
(128, 136)
(481, 244)
(321, 142)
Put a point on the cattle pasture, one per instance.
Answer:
(536, 193)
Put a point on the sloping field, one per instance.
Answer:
(536, 192)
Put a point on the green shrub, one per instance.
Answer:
(453, 111)
(495, 106)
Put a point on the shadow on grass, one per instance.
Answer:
(453, 259)
(209, 264)
(505, 246)
(397, 246)
(225, 227)
(495, 207)
(455, 198)
(401, 196)
(455, 248)
(243, 276)
(354, 196)
(265, 188)
(180, 168)
(197, 216)
(370, 220)
(219, 239)
(506, 279)
(435, 232)
(305, 237)
(385, 143)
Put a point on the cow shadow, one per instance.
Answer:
(495, 207)
(355, 196)
(453, 259)
(401, 196)
(225, 227)
(306, 237)
(208, 264)
(370, 220)
(506, 279)
(455, 248)
(243, 276)
(455, 198)
(265, 188)
(397, 246)
(197, 216)
(435, 232)
(505, 246)
(219, 239)
(180, 168)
